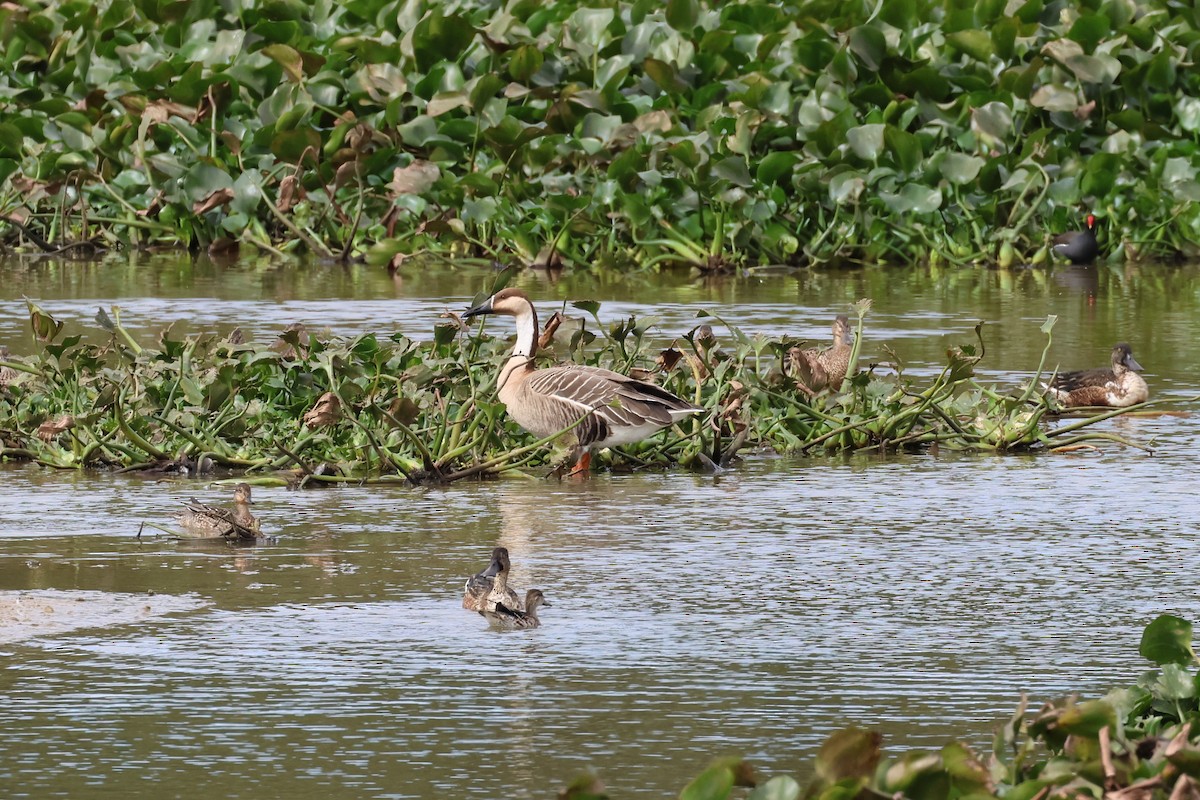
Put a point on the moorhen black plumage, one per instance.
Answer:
(1080, 247)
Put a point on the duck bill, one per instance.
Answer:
(1131, 364)
(483, 308)
(494, 569)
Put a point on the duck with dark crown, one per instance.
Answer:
(492, 581)
(1118, 386)
(503, 617)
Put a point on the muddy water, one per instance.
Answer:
(692, 616)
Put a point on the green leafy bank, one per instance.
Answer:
(309, 407)
(611, 133)
(1139, 743)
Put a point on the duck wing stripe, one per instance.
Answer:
(1070, 381)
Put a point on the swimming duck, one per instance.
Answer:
(479, 588)
(504, 617)
(617, 409)
(815, 369)
(1080, 247)
(201, 521)
(1118, 386)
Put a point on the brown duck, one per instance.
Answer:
(480, 587)
(814, 370)
(504, 617)
(202, 521)
(1118, 386)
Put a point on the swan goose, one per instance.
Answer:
(616, 409)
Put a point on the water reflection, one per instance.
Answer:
(1079, 280)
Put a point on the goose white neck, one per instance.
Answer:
(527, 333)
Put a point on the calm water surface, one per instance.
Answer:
(747, 613)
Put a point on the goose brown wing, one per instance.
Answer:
(633, 390)
(1080, 379)
(614, 400)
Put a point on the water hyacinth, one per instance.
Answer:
(631, 135)
(1136, 743)
(310, 408)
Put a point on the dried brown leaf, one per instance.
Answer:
(50, 429)
(345, 174)
(1185, 789)
(1179, 741)
(404, 410)
(290, 192)
(657, 120)
(359, 138)
(152, 209)
(218, 198)
(548, 330)
(1142, 790)
(325, 412)
(667, 359)
(416, 178)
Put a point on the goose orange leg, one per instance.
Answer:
(584, 463)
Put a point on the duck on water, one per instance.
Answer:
(492, 581)
(503, 617)
(202, 521)
(1118, 386)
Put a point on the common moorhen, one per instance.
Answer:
(1080, 247)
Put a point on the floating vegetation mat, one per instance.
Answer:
(309, 407)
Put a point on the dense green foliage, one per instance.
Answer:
(1140, 743)
(612, 133)
(332, 409)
